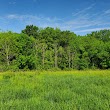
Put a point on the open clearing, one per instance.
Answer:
(62, 90)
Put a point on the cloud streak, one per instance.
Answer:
(107, 11)
(23, 20)
(87, 20)
(81, 22)
(94, 29)
(12, 3)
(83, 10)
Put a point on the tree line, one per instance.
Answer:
(46, 49)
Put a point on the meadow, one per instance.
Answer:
(61, 90)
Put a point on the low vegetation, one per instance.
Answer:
(61, 90)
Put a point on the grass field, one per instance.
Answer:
(62, 90)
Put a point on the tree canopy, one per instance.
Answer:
(49, 48)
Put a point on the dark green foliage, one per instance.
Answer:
(51, 48)
(31, 31)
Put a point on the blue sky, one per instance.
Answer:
(79, 16)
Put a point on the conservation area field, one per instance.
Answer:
(61, 90)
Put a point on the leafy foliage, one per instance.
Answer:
(49, 48)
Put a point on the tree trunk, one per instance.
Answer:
(69, 56)
(72, 59)
(69, 59)
(43, 56)
(7, 54)
(56, 55)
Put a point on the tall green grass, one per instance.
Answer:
(62, 90)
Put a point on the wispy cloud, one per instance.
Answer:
(94, 29)
(80, 12)
(81, 21)
(12, 3)
(107, 11)
(24, 20)
(21, 17)
(35, 0)
(32, 18)
(87, 20)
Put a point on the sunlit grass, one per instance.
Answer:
(61, 90)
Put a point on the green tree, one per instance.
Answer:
(31, 30)
(8, 48)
